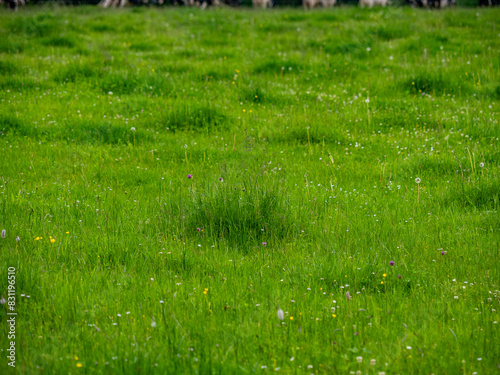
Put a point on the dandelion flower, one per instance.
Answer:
(385, 275)
(291, 318)
(132, 129)
(281, 315)
(481, 165)
(52, 240)
(417, 180)
(79, 365)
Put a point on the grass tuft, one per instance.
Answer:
(242, 215)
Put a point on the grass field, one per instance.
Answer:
(175, 177)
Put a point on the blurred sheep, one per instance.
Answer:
(372, 3)
(262, 3)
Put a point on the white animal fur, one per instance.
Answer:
(328, 3)
(261, 3)
(371, 3)
(309, 4)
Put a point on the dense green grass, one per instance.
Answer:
(269, 114)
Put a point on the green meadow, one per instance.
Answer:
(233, 191)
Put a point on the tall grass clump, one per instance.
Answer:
(194, 117)
(242, 215)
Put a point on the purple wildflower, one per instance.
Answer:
(264, 243)
(220, 178)
(348, 296)
(356, 333)
(399, 276)
(391, 263)
(3, 233)
(190, 176)
(18, 239)
(198, 229)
